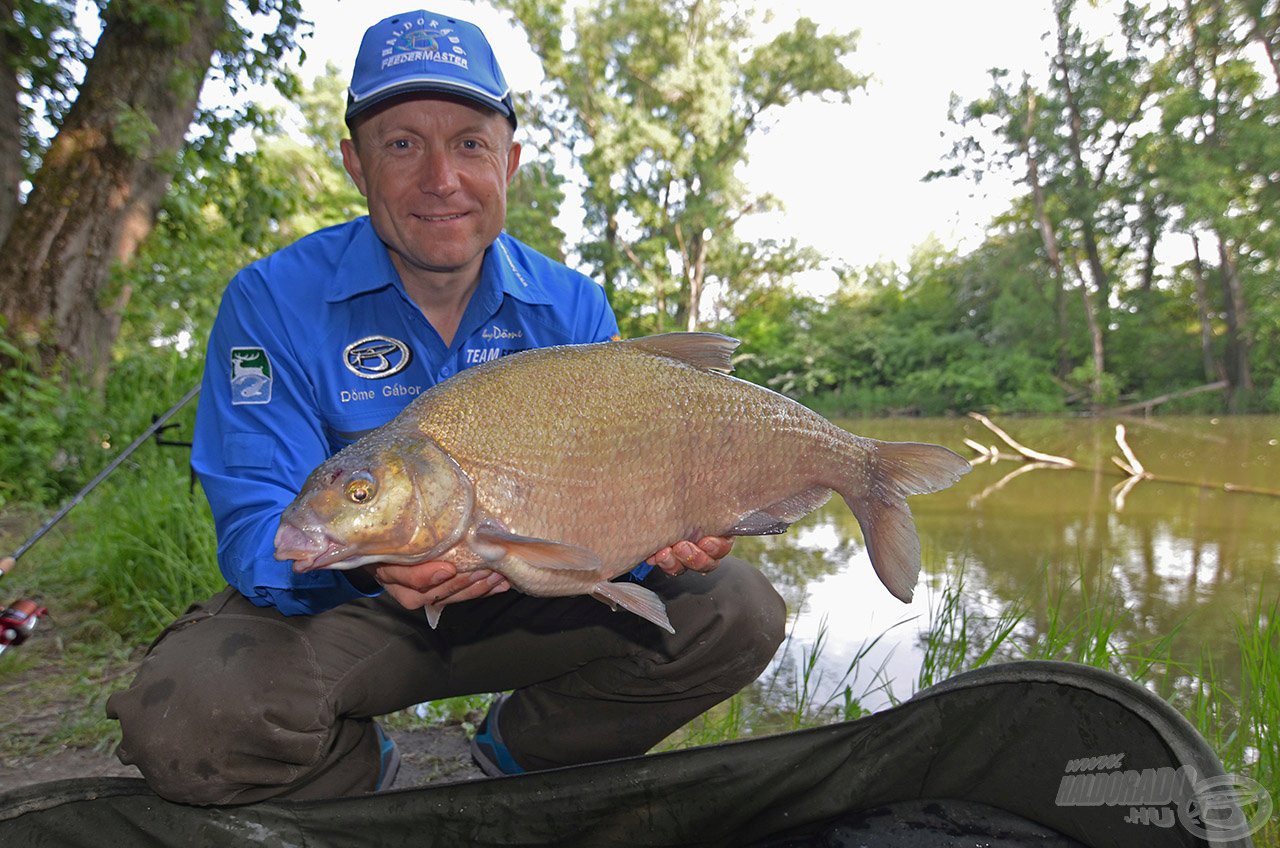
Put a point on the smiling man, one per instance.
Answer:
(271, 687)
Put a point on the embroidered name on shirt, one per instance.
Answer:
(490, 334)
(376, 357)
(352, 395)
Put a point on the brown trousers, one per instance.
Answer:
(236, 703)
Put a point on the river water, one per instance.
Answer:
(1179, 562)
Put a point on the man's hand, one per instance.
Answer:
(703, 557)
(435, 582)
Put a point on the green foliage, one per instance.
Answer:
(658, 101)
(140, 547)
(42, 45)
(533, 201)
(133, 130)
(46, 427)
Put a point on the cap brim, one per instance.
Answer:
(428, 85)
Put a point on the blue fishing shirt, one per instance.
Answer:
(319, 343)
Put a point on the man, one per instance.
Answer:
(270, 688)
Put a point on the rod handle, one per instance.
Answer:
(6, 563)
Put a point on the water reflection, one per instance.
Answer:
(1180, 562)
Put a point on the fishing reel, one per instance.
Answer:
(17, 621)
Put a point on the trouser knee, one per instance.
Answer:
(738, 620)
(753, 620)
(211, 717)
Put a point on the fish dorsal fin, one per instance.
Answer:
(702, 350)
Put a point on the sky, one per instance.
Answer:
(849, 175)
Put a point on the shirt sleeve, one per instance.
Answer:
(599, 324)
(258, 435)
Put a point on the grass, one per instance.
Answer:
(1239, 719)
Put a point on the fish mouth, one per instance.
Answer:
(310, 549)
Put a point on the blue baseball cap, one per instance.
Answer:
(425, 52)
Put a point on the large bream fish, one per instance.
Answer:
(564, 467)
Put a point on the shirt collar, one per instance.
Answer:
(366, 267)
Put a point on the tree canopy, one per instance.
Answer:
(1139, 259)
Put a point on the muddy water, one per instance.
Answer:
(1178, 561)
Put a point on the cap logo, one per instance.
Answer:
(376, 357)
(423, 41)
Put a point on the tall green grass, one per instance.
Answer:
(140, 547)
(136, 553)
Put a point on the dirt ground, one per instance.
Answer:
(53, 692)
(430, 755)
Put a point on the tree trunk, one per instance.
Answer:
(1097, 347)
(102, 180)
(1151, 228)
(696, 277)
(10, 117)
(1204, 313)
(1237, 327)
(1047, 234)
(1083, 181)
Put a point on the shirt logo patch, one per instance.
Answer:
(250, 376)
(376, 357)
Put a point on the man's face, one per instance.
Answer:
(435, 173)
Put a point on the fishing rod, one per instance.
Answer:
(19, 619)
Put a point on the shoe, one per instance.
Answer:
(487, 748)
(389, 760)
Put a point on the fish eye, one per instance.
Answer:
(361, 487)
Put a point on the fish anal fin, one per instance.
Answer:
(777, 517)
(493, 543)
(635, 598)
(702, 350)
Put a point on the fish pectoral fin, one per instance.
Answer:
(493, 543)
(635, 598)
(433, 614)
(777, 517)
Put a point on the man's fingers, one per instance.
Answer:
(466, 587)
(704, 556)
(716, 547)
(422, 576)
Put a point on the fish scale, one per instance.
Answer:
(564, 467)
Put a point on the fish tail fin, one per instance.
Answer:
(898, 470)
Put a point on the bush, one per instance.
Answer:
(46, 427)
